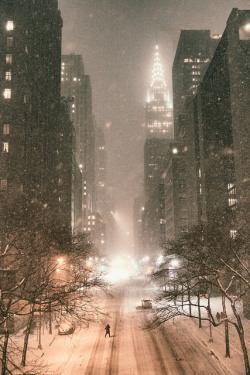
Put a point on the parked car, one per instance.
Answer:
(145, 304)
(66, 328)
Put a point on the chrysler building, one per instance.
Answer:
(159, 121)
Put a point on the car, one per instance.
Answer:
(66, 329)
(145, 304)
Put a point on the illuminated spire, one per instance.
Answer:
(157, 72)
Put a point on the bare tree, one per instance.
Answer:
(209, 261)
(40, 278)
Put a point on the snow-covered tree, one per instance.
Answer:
(209, 261)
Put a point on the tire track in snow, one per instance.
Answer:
(96, 354)
(187, 354)
(113, 362)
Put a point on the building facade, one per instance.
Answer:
(194, 51)
(76, 89)
(221, 113)
(30, 105)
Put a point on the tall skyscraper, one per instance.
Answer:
(194, 51)
(159, 126)
(158, 108)
(30, 102)
(76, 87)
(159, 134)
(220, 119)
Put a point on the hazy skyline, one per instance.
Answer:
(116, 39)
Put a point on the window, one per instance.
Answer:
(232, 201)
(7, 93)
(233, 233)
(9, 41)
(244, 31)
(3, 184)
(5, 146)
(8, 58)
(8, 76)
(6, 129)
(10, 26)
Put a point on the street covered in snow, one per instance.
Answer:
(179, 347)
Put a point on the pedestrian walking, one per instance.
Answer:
(107, 329)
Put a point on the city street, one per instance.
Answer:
(131, 350)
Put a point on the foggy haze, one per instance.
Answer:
(116, 39)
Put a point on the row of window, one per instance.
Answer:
(195, 60)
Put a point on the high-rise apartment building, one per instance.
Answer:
(101, 186)
(76, 88)
(30, 104)
(194, 51)
(220, 119)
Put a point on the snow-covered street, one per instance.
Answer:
(179, 348)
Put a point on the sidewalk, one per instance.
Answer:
(234, 364)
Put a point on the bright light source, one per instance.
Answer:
(159, 260)
(10, 25)
(89, 263)
(174, 263)
(175, 150)
(247, 27)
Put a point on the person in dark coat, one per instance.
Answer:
(107, 329)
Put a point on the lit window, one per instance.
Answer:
(9, 41)
(75, 79)
(6, 129)
(3, 184)
(233, 233)
(5, 146)
(10, 25)
(7, 93)
(232, 201)
(9, 58)
(8, 76)
(175, 151)
(244, 32)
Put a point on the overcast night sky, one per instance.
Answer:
(116, 39)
